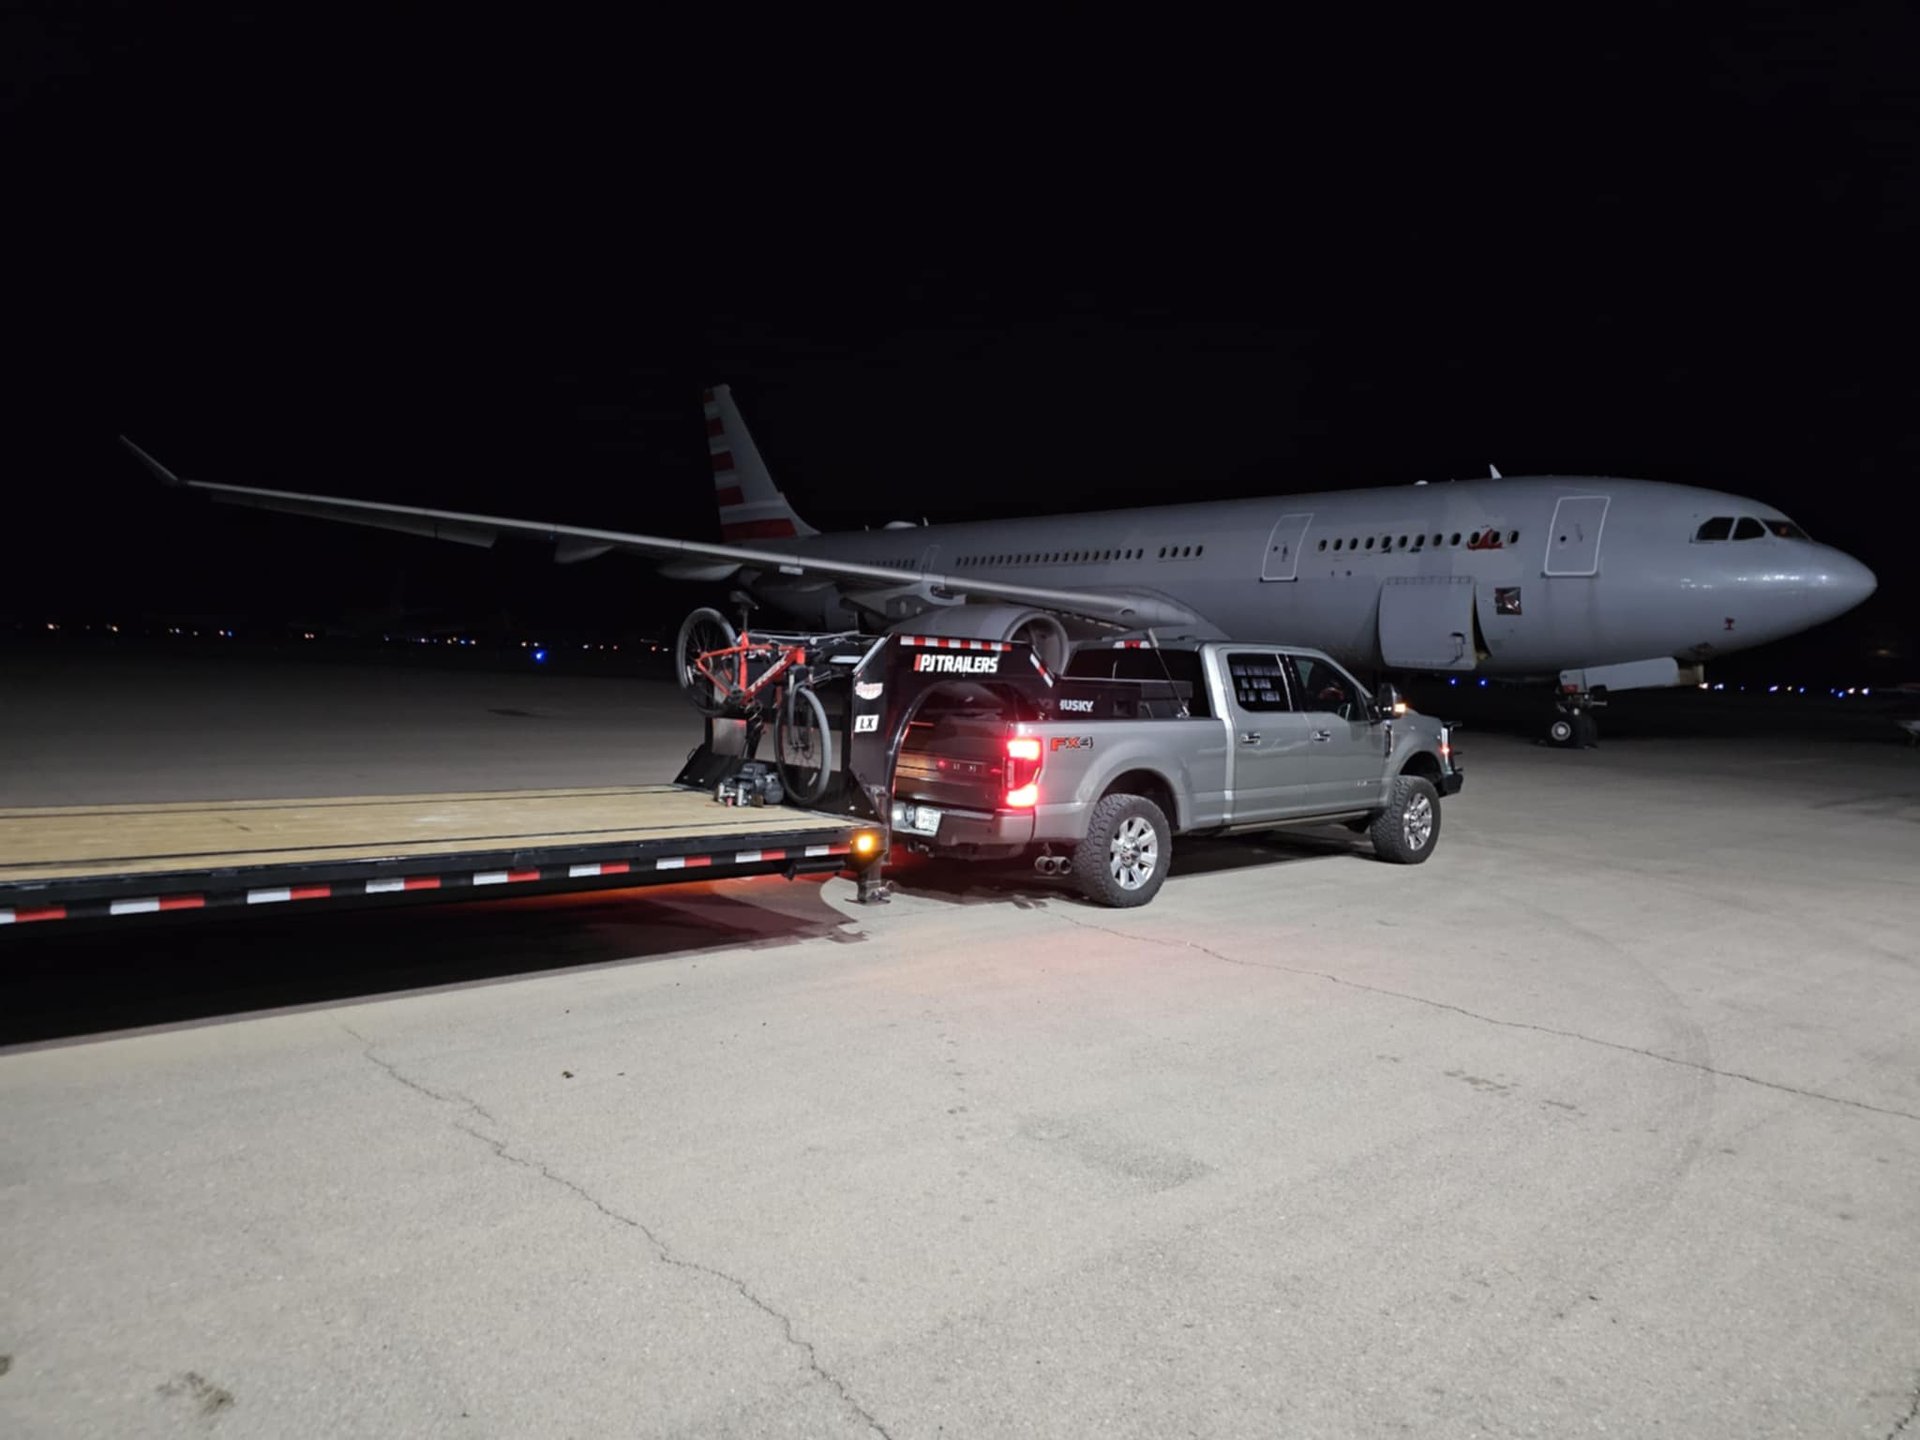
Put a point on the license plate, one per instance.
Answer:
(916, 819)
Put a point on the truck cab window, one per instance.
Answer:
(1324, 688)
(1259, 681)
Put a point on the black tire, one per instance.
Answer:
(1123, 859)
(803, 723)
(1408, 829)
(1560, 732)
(705, 629)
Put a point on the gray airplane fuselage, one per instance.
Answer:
(1515, 576)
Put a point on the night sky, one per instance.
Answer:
(969, 264)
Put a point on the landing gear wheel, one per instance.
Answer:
(704, 630)
(1123, 859)
(1406, 831)
(804, 745)
(1574, 730)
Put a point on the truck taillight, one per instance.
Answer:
(1023, 772)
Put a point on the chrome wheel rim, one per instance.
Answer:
(1134, 853)
(1416, 824)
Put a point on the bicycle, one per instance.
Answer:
(750, 677)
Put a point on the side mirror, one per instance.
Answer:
(1387, 702)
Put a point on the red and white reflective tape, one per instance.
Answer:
(149, 904)
(289, 892)
(599, 867)
(408, 882)
(504, 877)
(948, 642)
(27, 917)
(1041, 668)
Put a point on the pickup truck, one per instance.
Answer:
(1095, 771)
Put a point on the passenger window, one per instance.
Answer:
(1748, 529)
(1323, 688)
(1718, 528)
(1259, 682)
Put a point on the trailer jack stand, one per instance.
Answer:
(869, 887)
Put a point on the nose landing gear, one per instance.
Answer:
(1574, 726)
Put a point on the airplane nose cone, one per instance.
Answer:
(1841, 582)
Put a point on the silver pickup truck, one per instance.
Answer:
(1095, 771)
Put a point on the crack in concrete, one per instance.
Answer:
(1913, 1412)
(1496, 1020)
(666, 1255)
(447, 1097)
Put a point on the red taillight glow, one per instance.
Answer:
(1023, 772)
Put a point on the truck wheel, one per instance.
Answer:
(1124, 856)
(1405, 832)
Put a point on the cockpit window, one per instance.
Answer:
(1748, 529)
(1786, 529)
(1717, 528)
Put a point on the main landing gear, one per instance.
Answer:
(1574, 726)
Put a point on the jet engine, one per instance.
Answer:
(1038, 628)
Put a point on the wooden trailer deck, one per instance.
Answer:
(57, 861)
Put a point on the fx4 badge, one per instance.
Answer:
(1072, 742)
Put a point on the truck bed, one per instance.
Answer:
(71, 862)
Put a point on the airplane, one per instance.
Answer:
(1591, 583)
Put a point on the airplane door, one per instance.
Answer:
(1573, 541)
(1282, 560)
(1426, 622)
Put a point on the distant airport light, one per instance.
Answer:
(540, 657)
(1773, 689)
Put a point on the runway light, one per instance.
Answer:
(1773, 689)
(1483, 682)
(540, 657)
(1453, 679)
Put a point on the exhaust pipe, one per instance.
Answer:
(1052, 864)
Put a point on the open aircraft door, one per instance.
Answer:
(1426, 623)
(1282, 560)
(1573, 542)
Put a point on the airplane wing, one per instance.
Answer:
(1127, 610)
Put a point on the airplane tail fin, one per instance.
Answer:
(751, 506)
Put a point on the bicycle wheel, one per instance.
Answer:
(701, 633)
(804, 745)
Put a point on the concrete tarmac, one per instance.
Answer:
(1604, 1121)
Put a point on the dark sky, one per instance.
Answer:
(964, 264)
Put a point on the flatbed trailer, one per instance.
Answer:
(82, 862)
